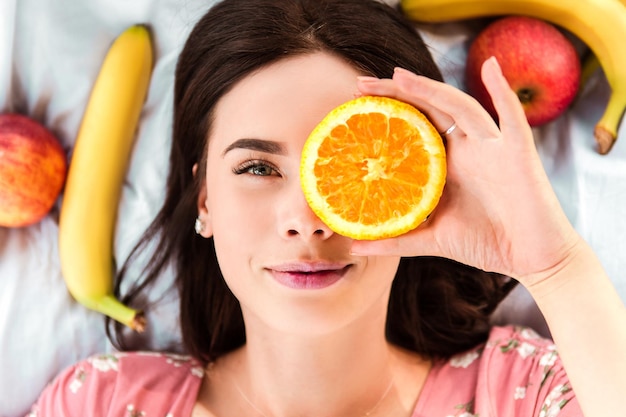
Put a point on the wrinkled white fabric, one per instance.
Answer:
(50, 53)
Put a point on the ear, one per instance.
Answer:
(203, 211)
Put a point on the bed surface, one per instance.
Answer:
(51, 51)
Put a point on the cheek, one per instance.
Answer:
(237, 231)
(239, 217)
(382, 269)
(242, 229)
(376, 279)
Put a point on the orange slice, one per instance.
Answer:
(373, 168)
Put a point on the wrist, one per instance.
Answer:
(578, 266)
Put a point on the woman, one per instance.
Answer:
(283, 317)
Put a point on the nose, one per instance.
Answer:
(297, 220)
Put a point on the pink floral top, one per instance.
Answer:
(514, 374)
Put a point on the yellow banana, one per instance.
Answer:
(600, 24)
(96, 174)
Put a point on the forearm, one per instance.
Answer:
(587, 320)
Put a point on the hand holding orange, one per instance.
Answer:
(498, 211)
(373, 168)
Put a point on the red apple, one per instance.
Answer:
(539, 62)
(33, 167)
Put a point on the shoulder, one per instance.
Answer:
(521, 373)
(120, 382)
(515, 372)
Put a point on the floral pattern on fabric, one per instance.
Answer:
(465, 410)
(138, 384)
(531, 347)
(465, 359)
(515, 373)
(554, 403)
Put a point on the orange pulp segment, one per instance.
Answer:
(373, 168)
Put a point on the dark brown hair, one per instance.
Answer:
(437, 307)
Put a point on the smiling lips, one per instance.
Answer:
(308, 275)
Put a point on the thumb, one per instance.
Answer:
(417, 242)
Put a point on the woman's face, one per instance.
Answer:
(287, 268)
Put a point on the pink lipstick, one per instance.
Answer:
(305, 275)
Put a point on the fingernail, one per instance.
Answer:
(402, 71)
(367, 79)
(493, 61)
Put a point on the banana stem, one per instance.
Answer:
(113, 308)
(605, 132)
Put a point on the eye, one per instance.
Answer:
(257, 168)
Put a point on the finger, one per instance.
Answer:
(418, 242)
(389, 88)
(511, 116)
(469, 115)
(384, 247)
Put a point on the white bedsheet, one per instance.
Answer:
(50, 52)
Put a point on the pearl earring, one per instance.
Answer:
(199, 226)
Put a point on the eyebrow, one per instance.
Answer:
(267, 146)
